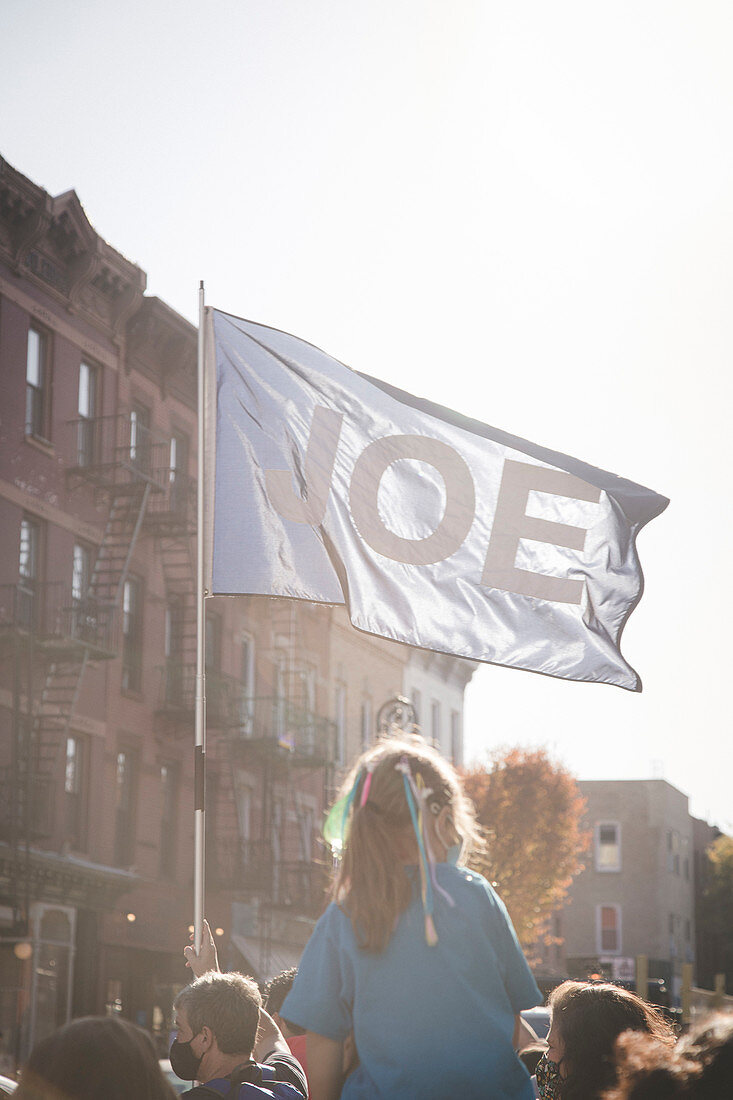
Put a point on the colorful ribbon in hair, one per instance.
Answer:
(335, 827)
(426, 885)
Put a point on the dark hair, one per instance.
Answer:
(700, 1067)
(278, 988)
(275, 993)
(229, 1004)
(588, 1017)
(96, 1056)
(371, 884)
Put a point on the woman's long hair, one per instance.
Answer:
(91, 1058)
(371, 884)
(588, 1017)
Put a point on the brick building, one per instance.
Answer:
(636, 895)
(97, 640)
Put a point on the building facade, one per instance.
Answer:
(98, 642)
(435, 684)
(636, 895)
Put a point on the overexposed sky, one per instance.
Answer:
(521, 210)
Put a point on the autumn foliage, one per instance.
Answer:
(530, 810)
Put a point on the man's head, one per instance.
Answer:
(217, 1017)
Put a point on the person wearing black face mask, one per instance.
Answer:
(225, 1039)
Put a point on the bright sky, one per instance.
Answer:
(521, 210)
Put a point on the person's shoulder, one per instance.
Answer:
(287, 1070)
(469, 884)
(468, 879)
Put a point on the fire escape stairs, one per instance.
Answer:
(55, 706)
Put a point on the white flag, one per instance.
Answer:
(435, 530)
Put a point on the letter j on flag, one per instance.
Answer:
(435, 530)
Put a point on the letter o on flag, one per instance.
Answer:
(460, 495)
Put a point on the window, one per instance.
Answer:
(36, 384)
(366, 723)
(213, 642)
(281, 702)
(435, 723)
(140, 437)
(173, 648)
(28, 568)
(87, 410)
(306, 820)
(125, 779)
(244, 814)
(168, 819)
(609, 929)
(608, 846)
(340, 725)
(673, 851)
(131, 635)
(456, 746)
(80, 573)
(247, 686)
(74, 788)
(83, 621)
(178, 472)
(417, 705)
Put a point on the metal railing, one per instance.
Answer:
(31, 802)
(249, 866)
(177, 692)
(289, 729)
(293, 729)
(174, 506)
(50, 612)
(118, 450)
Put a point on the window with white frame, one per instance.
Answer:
(87, 410)
(417, 704)
(28, 570)
(456, 741)
(36, 384)
(74, 773)
(132, 634)
(435, 723)
(608, 846)
(608, 929)
(366, 722)
(247, 685)
(178, 471)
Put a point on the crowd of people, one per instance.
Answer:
(411, 986)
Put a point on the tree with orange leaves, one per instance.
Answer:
(530, 810)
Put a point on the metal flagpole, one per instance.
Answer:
(200, 725)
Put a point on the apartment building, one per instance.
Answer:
(97, 647)
(636, 895)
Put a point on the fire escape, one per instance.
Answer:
(283, 741)
(55, 631)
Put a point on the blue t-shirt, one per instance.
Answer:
(429, 1022)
